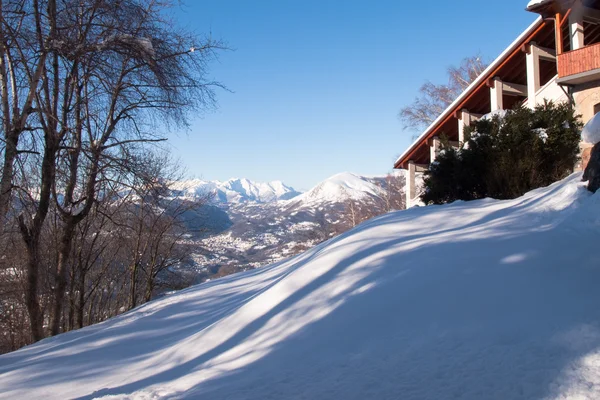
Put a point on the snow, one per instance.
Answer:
(473, 300)
(340, 187)
(535, 3)
(237, 190)
(591, 130)
(497, 113)
(542, 134)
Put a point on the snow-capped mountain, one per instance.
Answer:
(485, 299)
(237, 190)
(340, 188)
(261, 232)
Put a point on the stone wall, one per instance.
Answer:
(586, 97)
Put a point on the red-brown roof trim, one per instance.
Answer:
(513, 50)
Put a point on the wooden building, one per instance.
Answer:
(556, 58)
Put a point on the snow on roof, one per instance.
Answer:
(537, 3)
(591, 130)
(473, 85)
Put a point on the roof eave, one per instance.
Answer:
(480, 79)
(539, 6)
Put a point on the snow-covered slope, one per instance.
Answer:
(339, 188)
(238, 190)
(480, 300)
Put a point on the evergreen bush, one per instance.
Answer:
(505, 156)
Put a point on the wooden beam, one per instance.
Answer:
(402, 163)
(590, 14)
(496, 92)
(514, 89)
(558, 32)
(525, 48)
(546, 53)
(542, 52)
(566, 17)
(458, 114)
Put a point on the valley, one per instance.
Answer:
(250, 224)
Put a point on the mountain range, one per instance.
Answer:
(251, 224)
(237, 190)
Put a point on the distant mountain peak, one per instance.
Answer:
(238, 190)
(341, 187)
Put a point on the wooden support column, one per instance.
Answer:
(464, 120)
(533, 74)
(496, 95)
(434, 148)
(558, 33)
(534, 54)
(576, 26)
(411, 190)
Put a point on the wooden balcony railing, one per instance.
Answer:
(578, 61)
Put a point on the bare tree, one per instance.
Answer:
(155, 218)
(392, 188)
(134, 225)
(350, 213)
(434, 98)
(22, 60)
(100, 78)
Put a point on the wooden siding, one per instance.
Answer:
(578, 61)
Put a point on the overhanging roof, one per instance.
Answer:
(457, 104)
(539, 5)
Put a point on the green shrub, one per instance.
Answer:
(507, 156)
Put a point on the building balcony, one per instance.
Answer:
(579, 66)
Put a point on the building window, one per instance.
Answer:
(597, 109)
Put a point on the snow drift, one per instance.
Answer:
(480, 300)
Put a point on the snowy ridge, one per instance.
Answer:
(339, 188)
(237, 190)
(473, 300)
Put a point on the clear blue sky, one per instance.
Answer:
(317, 84)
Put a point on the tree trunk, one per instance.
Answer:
(36, 319)
(133, 287)
(149, 286)
(61, 275)
(31, 237)
(81, 303)
(72, 300)
(90, 313)
(6, 182)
